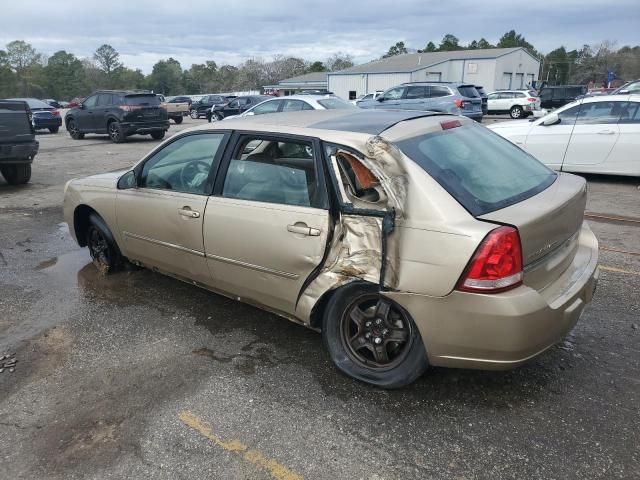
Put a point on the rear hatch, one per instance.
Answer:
(143, 107)
(498, 182)
(15, 126)
(472, 100)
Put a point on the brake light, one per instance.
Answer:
(55, 113)
(450, 124)
(497, 264)
(459, 103)
(130, 108)
(531, 99)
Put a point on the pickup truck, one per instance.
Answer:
(175, 110)
(18, 144)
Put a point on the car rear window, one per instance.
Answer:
(468, 91)
(334, 103)
(480, 169)
(146, 100)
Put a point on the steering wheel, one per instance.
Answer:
(194, 173)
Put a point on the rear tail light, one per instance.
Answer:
(55, 113)
(459, 103)
(497, 264)
(530, 99)
(130, 108)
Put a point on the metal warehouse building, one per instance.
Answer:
(492, 68)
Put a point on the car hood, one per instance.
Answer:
(510, 124)
(105, 180)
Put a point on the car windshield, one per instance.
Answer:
(33, 102)
(149, 100)
(334, 103)
(480, 169)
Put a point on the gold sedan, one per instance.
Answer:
(408, 238)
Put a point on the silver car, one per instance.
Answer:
(296, 103)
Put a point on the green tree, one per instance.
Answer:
(513, 39)
(397, 49)
(8, 80)
(449, 42)
(201, 78)
(339, 61)
(317, 66)
(107, 58)
(166, 77)
(128, 79)
(483, 43)
(431, 47)
(64, 75)
(23, 59)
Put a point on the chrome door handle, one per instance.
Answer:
(302, 229)
(606, 132)
(187, 212)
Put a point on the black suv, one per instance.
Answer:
(236, 106)
(18, 143)
(119, 113)
(554, 97)
(203, 106)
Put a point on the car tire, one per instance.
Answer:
(16, 174)
(114, 129)
(104, 252)
(371, 338)
(516, 112)
(54, 129)
(194, 114)
(74, 131)
(158, 135)
(178, 120)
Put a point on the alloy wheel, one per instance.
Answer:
(376, 332)
(99, 248)
(114, 131)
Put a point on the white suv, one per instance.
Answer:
(517, 103)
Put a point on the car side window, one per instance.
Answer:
(394, 93)
(569, 115)
(273, 170)
(546, 94)
(306, 106)
(267, 107)
(234, 104)
(595, 113)
(182, 165)
(631, 113)
(90, 102)
(559, 93)
(493, 96)
(292, 105)
(416, 92)
(506, 95)
(439, 91)
(104, 99)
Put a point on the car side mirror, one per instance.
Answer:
(551, 119)
(380, 98)
(624, 92)
(127, 181)
(250, 113)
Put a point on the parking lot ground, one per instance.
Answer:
(136, 375)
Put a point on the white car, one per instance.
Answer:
(517, 103)
(368, 96)
(295, 103)
(593, 135)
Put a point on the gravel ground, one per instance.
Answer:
(138, 375)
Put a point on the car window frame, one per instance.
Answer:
(215, 164)
(236, 139)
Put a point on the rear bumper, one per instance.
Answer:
(18, 153)
(499, 332)
(133, 128)
(47, 122)
(473, 115)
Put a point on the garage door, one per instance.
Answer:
(434, 76)
(519, 80)
(506, 80)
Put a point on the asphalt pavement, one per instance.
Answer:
(137, 375)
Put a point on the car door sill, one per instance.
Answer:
(251, 266)
(164, 244)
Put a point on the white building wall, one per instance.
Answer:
(514, 66)
(477, 72)
(363, 83)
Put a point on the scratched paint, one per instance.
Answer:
(254, 457)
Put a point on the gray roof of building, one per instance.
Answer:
(313, 77)
(415, 61)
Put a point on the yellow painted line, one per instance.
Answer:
(617, 270)
(277, 470)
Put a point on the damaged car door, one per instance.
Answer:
(266, 226)
(160, 220)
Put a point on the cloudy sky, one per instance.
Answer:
(230, 31)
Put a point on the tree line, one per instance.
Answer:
(588, 64)
(26, 72)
